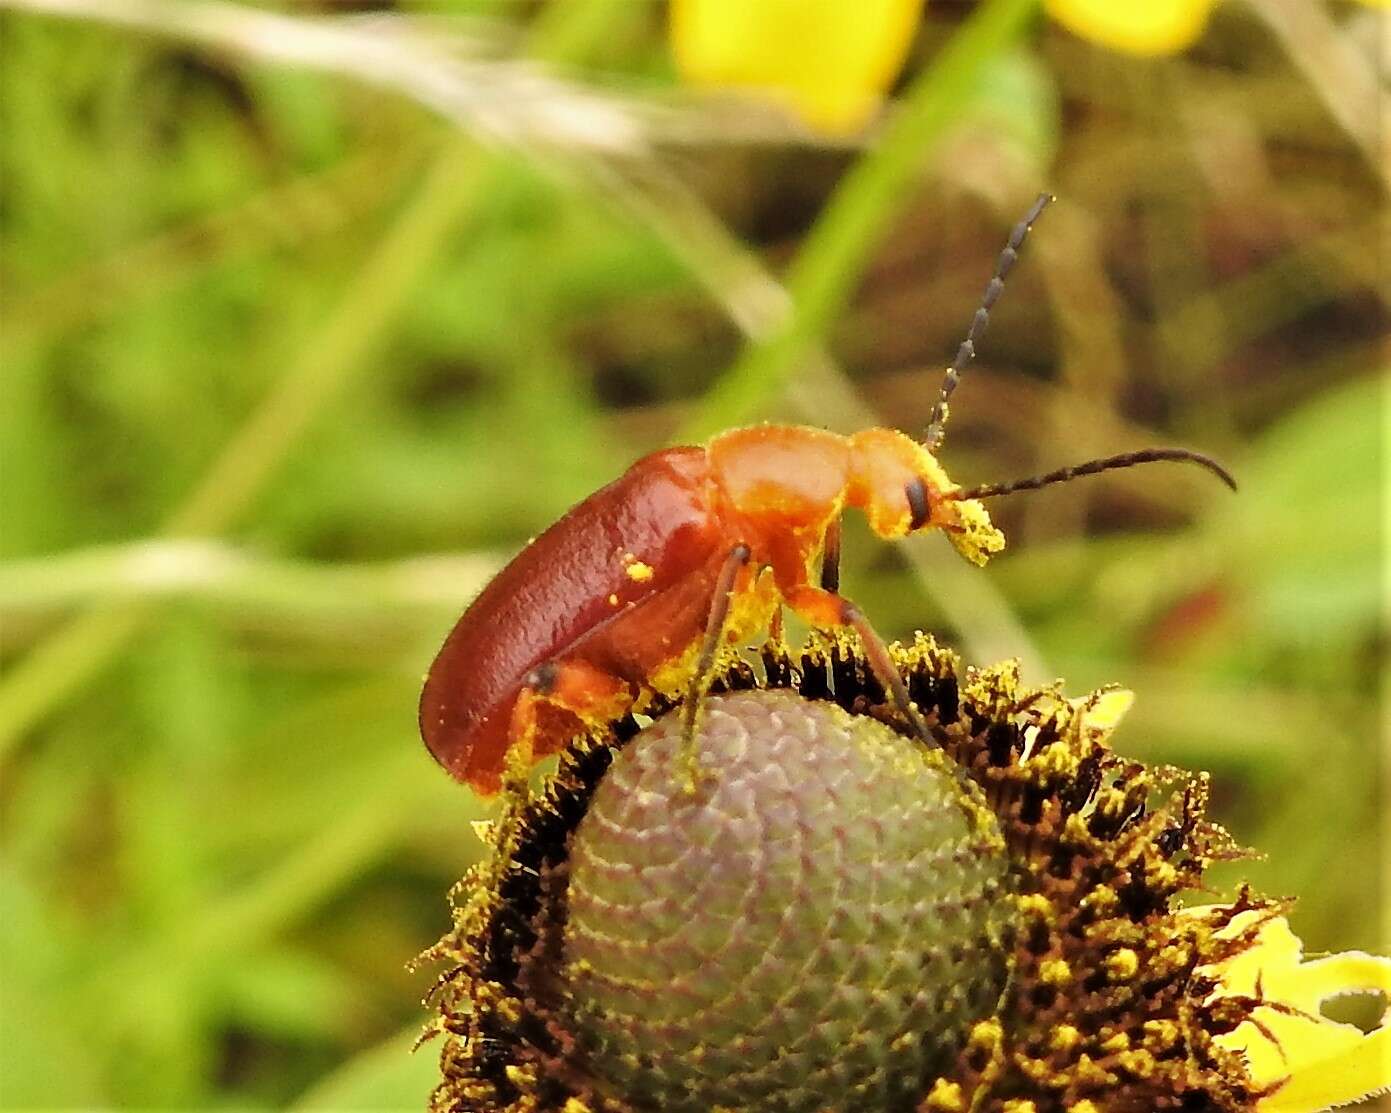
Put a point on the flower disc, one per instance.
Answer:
(817, 927)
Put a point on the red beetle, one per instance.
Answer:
(638, 585)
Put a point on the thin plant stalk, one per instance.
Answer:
(838, 248)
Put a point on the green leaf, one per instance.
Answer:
(45, 1056)
(1309, 518)
(287, 993)
(386, 1077)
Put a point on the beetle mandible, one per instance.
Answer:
(638, 585)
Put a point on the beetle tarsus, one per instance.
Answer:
(828, 610)
(886, 672)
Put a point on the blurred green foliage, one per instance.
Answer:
(290, 364)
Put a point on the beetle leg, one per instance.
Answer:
(585, 692)
(830, 558)
(828, 610)
(705, 664)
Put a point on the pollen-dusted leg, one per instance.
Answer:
(577, 688)
(827, 610)
(720, 605)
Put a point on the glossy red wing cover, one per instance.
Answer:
(558, 597)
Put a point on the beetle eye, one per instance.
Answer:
(918, 507)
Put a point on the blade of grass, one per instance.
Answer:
(78, 650)
(1343, 76)
(824, 274)
(230, 577)
(63, 663)
(506, 102)
(318, 204)
(285, 894)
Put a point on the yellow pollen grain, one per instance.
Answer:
(483, 829)
(1139, 1063)
(946, 1096)
(1103, 899)
(1019, 1105)
(1121, 965)
(1160, 1035)
(1035, 1070)
(987, 1034)
(1036, 904)
(613, 600)
(639, 572)
(1065, 1037)
(574, 1105)
(1075, 832)
(1083, 1106)
(1092, 1074)
(1055, 761)
(1055, 972)
(519, 1076)
(1117, 1043)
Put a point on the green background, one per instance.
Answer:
(291, 364)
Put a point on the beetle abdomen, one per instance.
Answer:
(562, 597)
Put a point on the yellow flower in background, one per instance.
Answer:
(832, 61)
(828, 60)
(1148, 27)
(1141, 26)
(1319, 1063)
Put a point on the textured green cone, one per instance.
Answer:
(816, 928)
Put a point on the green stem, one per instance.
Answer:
(838, 247)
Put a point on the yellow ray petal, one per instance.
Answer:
(1324, 1063)
(1135, 26)
(828, 60)
(1103, 711)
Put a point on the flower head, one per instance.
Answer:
(1151, 27)
(829, 61)
(844, 917)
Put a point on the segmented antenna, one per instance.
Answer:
(967, 352)
(1091, 467)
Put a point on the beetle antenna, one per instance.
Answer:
(1091, 467)
(967, 352)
